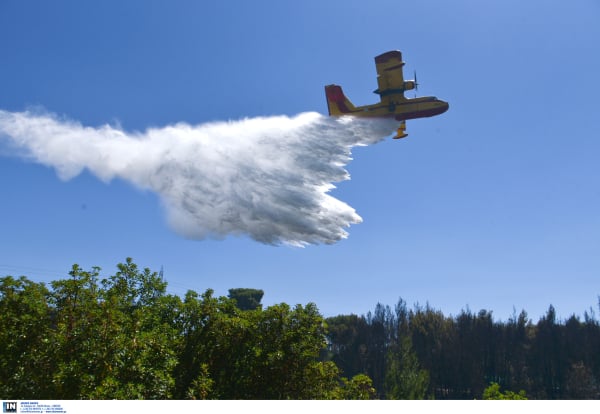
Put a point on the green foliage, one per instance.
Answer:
(493, 393)
(114, 339)
(380, 346)
(246, 299)
(228, 353)
(404, 379)
(124, 337)
(360, 387)
(85, 339)
(422, 353)
(25, 321)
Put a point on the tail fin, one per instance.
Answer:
(337, 103)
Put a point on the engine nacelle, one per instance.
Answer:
(408, 85)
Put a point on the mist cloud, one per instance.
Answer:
(268, 178)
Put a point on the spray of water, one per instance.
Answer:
(268, 178)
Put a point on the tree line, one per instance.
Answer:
(125, 337)
(421, 353)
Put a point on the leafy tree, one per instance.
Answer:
(246, 299)
(290, 342)
(348, 337)
(228, 353)
(25, 321)
(113, 340)
(144, 353)
(76, 340)
(493, 393)
(360, 387)
(405, 380)
(195, 320)
(201, 386)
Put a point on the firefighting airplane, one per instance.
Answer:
(391, 92)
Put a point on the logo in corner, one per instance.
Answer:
(9, 407)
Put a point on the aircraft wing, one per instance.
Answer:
(389, 76)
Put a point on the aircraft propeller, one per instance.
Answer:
(416, 84)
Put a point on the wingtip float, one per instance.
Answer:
(393, 103)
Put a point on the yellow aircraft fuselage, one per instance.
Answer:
(401, 110)
(391, 89)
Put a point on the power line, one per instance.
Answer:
(21, 270)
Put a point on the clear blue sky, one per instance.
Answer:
(493, 205)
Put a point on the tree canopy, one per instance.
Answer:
(124, 337)
(246, 298)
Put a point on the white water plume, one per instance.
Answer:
(268, 178)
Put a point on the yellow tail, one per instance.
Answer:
(337, 103)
